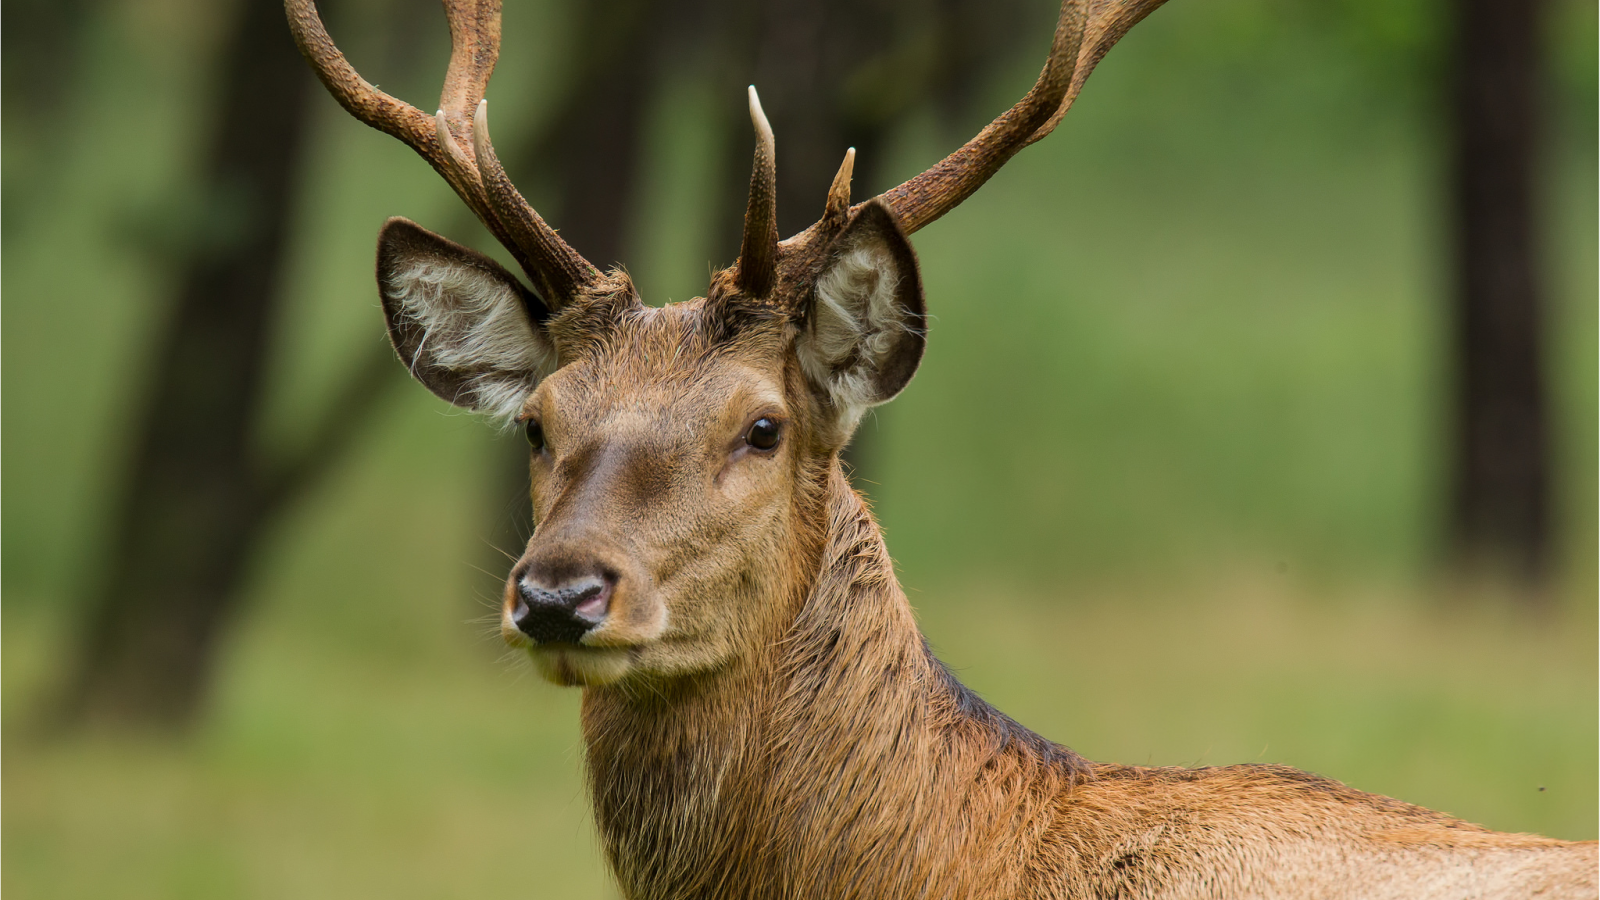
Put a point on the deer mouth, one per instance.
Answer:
(560, 658)
(571, 665)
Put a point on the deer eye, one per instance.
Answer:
(535, 433)
(763, 434)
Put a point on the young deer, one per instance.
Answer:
(762, 716)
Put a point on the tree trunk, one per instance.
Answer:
(1501, 506)
(196, 496)
(41, 49)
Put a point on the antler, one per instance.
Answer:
(455, 141)
(1081, 41)
(758, 251)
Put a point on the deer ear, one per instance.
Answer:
(463, 325)
(866, 326)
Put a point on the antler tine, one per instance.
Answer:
(954, 178)
(359, 98)
(758, 251)
(429, 136)
(838, 204)
(940, 189)
(557, 271)
(1108, 22)
(474, 50)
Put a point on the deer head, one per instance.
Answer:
(680, 455)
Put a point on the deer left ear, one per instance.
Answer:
(866, 326)
(465, 327)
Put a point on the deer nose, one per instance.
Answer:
(560, 613)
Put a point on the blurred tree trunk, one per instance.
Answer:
(1501, 505)
(38, 51)
(197, 496)
(40, 57)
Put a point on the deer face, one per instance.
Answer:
(673, 450)
(664, 469)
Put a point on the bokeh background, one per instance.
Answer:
(1180, 481)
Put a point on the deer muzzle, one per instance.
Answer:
(561, 612)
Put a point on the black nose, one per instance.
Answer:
(563, 613)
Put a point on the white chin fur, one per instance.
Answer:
(586, 666)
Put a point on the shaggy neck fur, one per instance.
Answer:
(842, 761)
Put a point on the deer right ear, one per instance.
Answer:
(465, 327)
(866, 326)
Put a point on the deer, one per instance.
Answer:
(761, 715)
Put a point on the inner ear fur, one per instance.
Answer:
(866, 324)
(465, 327)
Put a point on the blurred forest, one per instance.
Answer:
(1206, 409)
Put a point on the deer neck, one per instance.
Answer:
(842, 734)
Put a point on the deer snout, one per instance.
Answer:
(560, 609)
